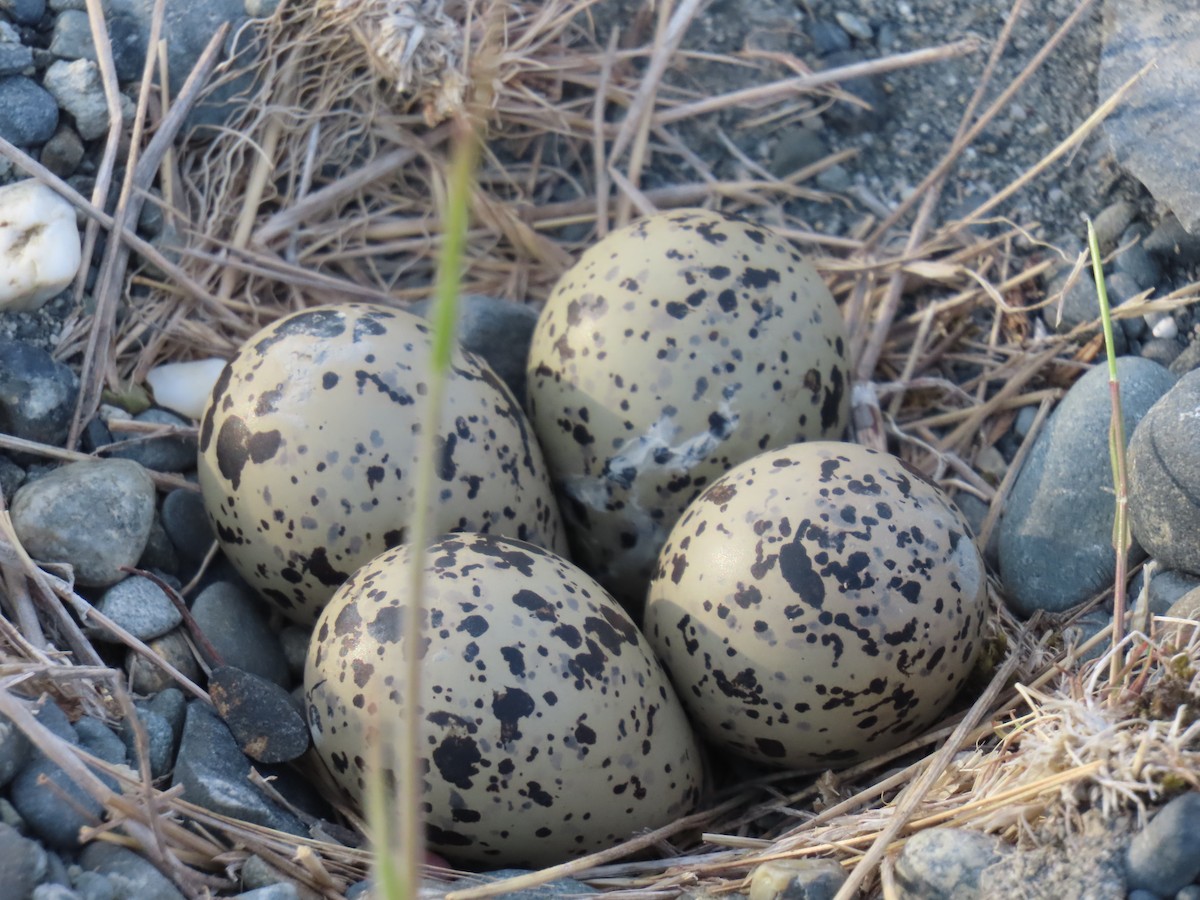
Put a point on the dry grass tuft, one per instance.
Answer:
(328, 184)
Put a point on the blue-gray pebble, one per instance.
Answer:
(130, 875)
(235, 621)
(1056, 535)
(23, 863)
(37, 393)
(28, 112)
(1165, 855)
(139, 606)
(945, 863)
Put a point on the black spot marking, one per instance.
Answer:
(509, 707)
(237, 445)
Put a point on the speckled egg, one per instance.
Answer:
(550, 730)
(308, 452)
(817, 605)
(674, 349)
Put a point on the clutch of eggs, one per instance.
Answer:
(550, 729)
(817, 605)
(674, 349)
(308, 450)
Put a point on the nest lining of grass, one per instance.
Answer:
(329, 184)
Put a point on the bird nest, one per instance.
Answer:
(330, 181)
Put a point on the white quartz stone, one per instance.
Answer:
(185, 386)
(39, 245)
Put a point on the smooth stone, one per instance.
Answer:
(828, 37)
(23, 863)
(258, 873)
(1186, 607)
(1164, 477)
(39, 244)
(185, 387)
(1138, 264)
(295, 640)
(235, 622)
(1191, 892)
(72, 40)
(1079, 304)
(165, 453)
(1166, 587)
(262, 716)
(15, 58)
(54, 811)
(171, 704)
(562, 887)
(945, 864)
(1121, 290)
(281, 891)
(173, 648)
(1165, 855)
(101, 741)
(160, 741)
(139, 606)
(79, 90)
(1170, 240)
(37, 393)
(15, 750)
(28, 114)
(497, 330)
(1111, 221)
(53, 891)
(94, 515)
(797, 879)
(215, 774)
(836, 179)
(854, 25)
(1153, 133)
(93, 885)
(1162, 325)
(12, 476)
(159, 554)
(1188, 359)
(24, 12)
(1163, 351)
(1086, 627)
(1055, 539)
(796, 148)
(129, 874)
(187, 524)
(63, 153)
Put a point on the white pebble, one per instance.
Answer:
(39, 245)
(1162, 324)
(185, 387)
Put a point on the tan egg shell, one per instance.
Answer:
(551, 729)
(674, 349)
(817, 605)
(308, 450)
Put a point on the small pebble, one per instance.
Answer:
(37, 393)
(23, 863)
(173, 648)
(12, 476)
(39, 242)
(139, 606)
(185, 386)
(53, 891)
(850, 118)
(1165, 855)
(1111, 221)
(854, 25)
(171, 704)
(234, 621)
(1188, 359)
(796, 148)
(1162, 325)
(214, 774)
(15, 750)
(15, 58)
(77, 87)
(95, 515)
(159, 554)
(257, 873)
(63, 153)
(295, 640)
(828, 38)
(796, 879)
(164, 453)
(263, 718)
(1163, 351)
(24, 12)
(1170, 240)
(160, 741)
(187, 524)
(1166, 587)
(562, 887)
(1085, 628)
(28, 114)
(1136, 261)
(72, 40)
(945, 864)
(1164, 477)
(130, 875)
(99, 740)
(281, 891)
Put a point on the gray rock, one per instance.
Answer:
(1164, 477)
(130, 875)
(235, 622)
(563, 887)
(214, 774)
(23, 863)
(295, 640)
(796, 148)
(99, 740)
(945, 864)
(835, 179)
(94, 515)
(28, 114)
(159, 554)
(1166, 586)
(498, 330)
(1080, 303)
(172, 647)
(262, 716)
(797, 879)
(1171, 241)
(1137, 262)
(37, 394)
(94, 886)
(187, 524)
(1165, 855)
(15, 750)
(1163, 351)
(1191, 892)
(828, 37)
(77, 87)
(854, 25)
(281, 891)
(15, 58)
(258, 873)
(1087, 626)
(172, 706)
(166, 453)
(24, 12)
(12, 476)
(72, 39)
(1153, 134)
(1056, 536)
(139, 606)
(52, 891)
(63, 153)
(1187, 360)
(160, 741)
(1111, 221)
